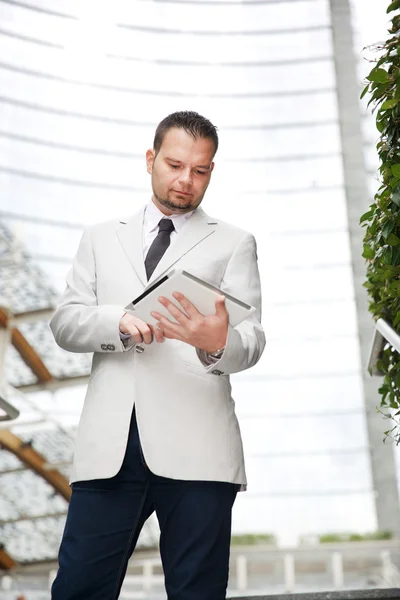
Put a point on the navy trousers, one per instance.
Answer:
(105, 518)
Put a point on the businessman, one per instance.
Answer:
(158, 430)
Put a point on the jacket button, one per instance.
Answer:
(104, 347)
(110, 347)
(139, 349)
(216, 372)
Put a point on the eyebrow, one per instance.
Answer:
(180, 162)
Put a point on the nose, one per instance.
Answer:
(186, 177)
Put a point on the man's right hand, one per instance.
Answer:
(140, 331)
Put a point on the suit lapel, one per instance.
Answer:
(130, 236)
(197, 228)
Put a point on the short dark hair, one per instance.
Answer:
(193, 123)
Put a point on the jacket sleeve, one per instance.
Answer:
(79, 324)
(245, 342)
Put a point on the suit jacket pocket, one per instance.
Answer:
(202, 372)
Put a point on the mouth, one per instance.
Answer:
(181, 193)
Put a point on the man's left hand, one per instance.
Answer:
(205, 333)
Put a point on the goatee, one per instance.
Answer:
(167, 203)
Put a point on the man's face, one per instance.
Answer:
(181, 171)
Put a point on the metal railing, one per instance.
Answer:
(383, 333)
(375, 567)
(256, 572)
(376, 594)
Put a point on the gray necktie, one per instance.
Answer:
(159, 246)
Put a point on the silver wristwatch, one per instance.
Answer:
(217, 354)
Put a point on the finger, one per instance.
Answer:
(174, 310)
(165, 322)
(153, 331)
(145, 331)
(166, 326)
(171, 335)
(170, 330)
(187, 306)
(158, 334)
(136, 335)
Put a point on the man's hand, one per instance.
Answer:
(140, 331)
(205, 333)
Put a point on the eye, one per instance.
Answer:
(201, 172)
(174, 166)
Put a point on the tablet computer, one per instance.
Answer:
(198, 292)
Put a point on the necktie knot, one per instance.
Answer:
(166, 225)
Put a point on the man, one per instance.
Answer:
(158, 431)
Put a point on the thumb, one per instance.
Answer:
(220, 306)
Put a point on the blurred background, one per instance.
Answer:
(83, 85)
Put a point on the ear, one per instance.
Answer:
(212, 166)
(150, 156)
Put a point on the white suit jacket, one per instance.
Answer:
(185, 412)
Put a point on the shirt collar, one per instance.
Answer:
(153, 215)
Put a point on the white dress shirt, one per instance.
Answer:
(151, 219)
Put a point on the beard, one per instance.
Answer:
(190, 205)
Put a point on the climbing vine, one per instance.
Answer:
(382, 221)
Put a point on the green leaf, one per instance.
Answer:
(366, 216)
(388, 255)
(385, 165)
(393, 6)
(365, 90)
(396, 197)
(396, 170)
(396, 258)
(368, 252)
(388, 228)
(389, 104)
(378, 76)
(397, 381)
(373, 228)
(380, 125)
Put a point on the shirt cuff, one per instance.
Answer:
(124, 336)
(206, 358)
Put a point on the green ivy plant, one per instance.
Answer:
(382, 221)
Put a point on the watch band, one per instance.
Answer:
(217, 353)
